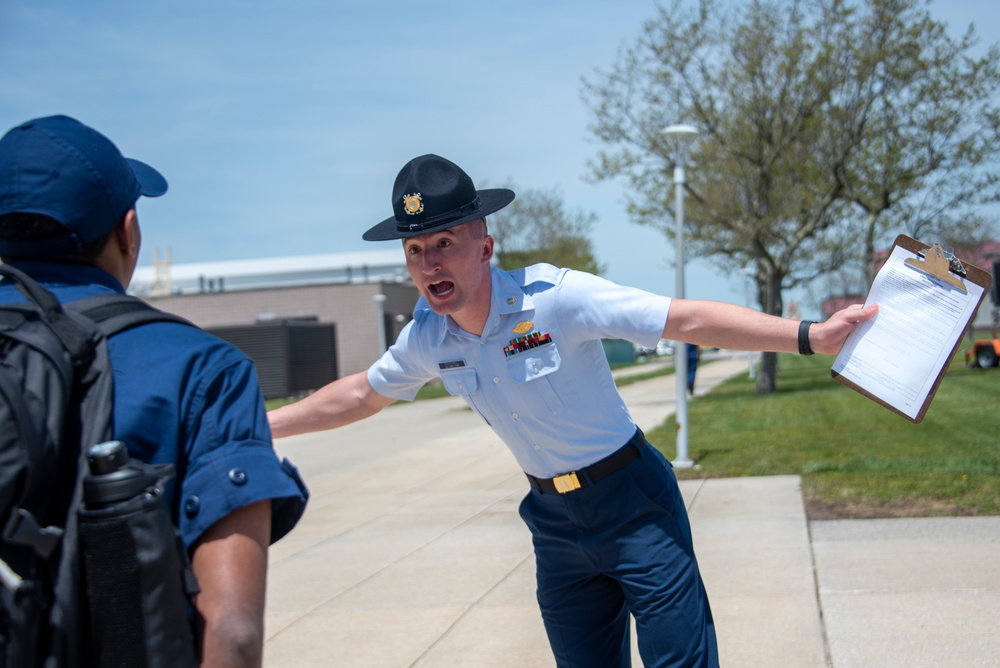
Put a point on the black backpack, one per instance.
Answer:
(55, 401)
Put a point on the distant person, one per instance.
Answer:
(693, 355)
(523, 348)
(68, 219)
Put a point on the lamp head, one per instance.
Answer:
(681, 132)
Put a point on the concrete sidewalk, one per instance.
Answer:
(411, 553)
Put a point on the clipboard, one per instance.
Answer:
(947, 273)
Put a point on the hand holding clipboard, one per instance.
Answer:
(926, 301)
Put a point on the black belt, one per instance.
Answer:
(585, 477)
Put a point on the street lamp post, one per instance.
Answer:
(682, 136)
(749, 273)
(380, 307)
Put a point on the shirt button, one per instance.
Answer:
(237, 477)
(534, 367)
(192, 506)
(460, 386)
(538, 447)
(496, 380)
(514, 415)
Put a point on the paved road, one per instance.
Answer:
(411, 554)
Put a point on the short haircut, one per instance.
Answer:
(479, 228)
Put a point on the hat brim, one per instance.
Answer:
(151, 182)
(490, 201)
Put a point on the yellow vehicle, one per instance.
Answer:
(985, 353)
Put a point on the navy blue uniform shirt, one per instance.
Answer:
(185, 397)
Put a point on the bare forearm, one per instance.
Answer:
(721, 325)
(230, 562)
(342, 402)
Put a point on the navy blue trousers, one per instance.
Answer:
(620, 546)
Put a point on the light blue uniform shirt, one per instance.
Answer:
(550, 395)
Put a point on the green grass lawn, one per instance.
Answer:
(856, 458)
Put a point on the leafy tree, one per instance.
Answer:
(536, 227)
(799, 107)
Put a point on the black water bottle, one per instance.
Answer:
(112, 478)
(138, 578)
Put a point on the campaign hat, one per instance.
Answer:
(431, 194)
(58, 167)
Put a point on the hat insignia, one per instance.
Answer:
(413, 204)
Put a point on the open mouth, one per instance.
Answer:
(441, 288)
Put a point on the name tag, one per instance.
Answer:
(457, 364)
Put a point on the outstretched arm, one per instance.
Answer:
(343, 401)
(721, 325)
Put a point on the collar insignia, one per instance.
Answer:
(523, 327)
(512, 301)
(413, 204)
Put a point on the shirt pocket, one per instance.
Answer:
(464, 382)
(530, 370)
(460, 382)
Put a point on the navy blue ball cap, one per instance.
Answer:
(58, 167)
(432, 194)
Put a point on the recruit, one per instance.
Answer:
(523, 348)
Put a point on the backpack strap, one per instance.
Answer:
(77, 340)
(115, 312)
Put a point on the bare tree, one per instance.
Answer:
(926, 115)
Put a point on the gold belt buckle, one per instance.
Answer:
(566, 483)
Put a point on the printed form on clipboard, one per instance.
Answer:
(926, 299)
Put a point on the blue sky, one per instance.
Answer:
(281, 125)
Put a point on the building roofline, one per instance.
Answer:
(360, 266)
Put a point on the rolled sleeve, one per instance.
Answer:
(231, 461)
(237, 475)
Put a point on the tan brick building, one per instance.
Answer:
(367, 297)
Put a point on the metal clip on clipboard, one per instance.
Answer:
(941, 264)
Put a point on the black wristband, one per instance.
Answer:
(804, 347)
